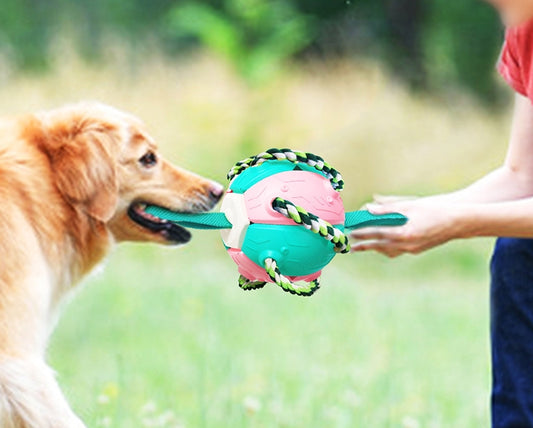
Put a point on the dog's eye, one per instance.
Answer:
(148, 160)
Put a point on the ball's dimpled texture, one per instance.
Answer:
(260, 232)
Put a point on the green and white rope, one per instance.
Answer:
(247, 285)
(304, 289)
(313, 223)
(293, 156)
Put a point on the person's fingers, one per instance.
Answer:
(386, 204)
(373, 245)
(391, 199)
(367, 234)
(391, 246)
(379, 209)
(384, 233)
(391, 253)
(386, 248)
(376, 208)
(367, 245)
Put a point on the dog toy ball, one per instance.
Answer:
(282, 219)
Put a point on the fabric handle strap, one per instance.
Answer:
(212, 221)
(205, 221)
(361, 219)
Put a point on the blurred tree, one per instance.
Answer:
(429, 44)
(405, 49)
(461, 44)
(25, 28)
(254, 35)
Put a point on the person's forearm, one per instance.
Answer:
(500, 204)
(514, 180)
(500, 185)
(508, 219)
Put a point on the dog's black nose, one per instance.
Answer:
(216, 191)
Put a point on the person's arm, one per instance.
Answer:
(514, 180)
(501, 204)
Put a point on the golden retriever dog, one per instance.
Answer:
(73, 181)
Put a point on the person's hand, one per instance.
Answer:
(431, 223)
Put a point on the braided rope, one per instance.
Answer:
(313, 223)
(304, 289)
(293, 156)
(247, 285)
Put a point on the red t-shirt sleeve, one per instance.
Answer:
(509, 64)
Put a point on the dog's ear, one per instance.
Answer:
(82, 161)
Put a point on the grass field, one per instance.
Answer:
(165, 338)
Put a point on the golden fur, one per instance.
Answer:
(72, 182)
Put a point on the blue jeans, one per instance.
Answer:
(512, 333)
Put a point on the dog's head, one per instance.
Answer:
(107, 166)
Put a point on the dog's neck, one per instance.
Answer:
(89, 242)
(83, 246)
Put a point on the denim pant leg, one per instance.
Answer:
(512, 333)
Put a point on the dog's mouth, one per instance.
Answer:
(169, 231)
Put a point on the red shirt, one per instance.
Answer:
(516, 61)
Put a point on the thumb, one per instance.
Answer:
(391, 199)
(379, 209)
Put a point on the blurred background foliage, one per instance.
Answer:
(428, 44)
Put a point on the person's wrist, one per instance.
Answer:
(465, 221)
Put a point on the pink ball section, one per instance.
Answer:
(254, 272)
(309, 190)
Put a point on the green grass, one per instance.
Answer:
(166, 338)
